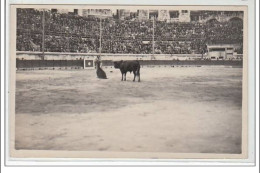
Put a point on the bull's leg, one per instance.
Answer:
(125, 76)
(134, 75)
(139, 75)
(122, 76)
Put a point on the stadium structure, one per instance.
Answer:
(60, 38)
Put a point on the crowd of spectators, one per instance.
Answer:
(74, 33)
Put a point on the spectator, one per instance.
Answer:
(73, 33)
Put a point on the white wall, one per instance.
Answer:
(74, 56)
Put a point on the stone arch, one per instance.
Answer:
(212, 20)
(236, 19)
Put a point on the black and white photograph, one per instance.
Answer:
(128, 81)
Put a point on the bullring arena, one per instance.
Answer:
(186, 102)
(192, 109)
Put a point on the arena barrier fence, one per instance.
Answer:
(57, 60)
(181, 62)
(49, 64)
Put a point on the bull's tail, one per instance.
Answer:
(138, 71)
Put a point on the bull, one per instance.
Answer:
(128, 66)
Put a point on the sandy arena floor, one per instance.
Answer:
(183, 109)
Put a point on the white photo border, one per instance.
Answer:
(145, 162)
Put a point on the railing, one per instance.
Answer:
(25, 55)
